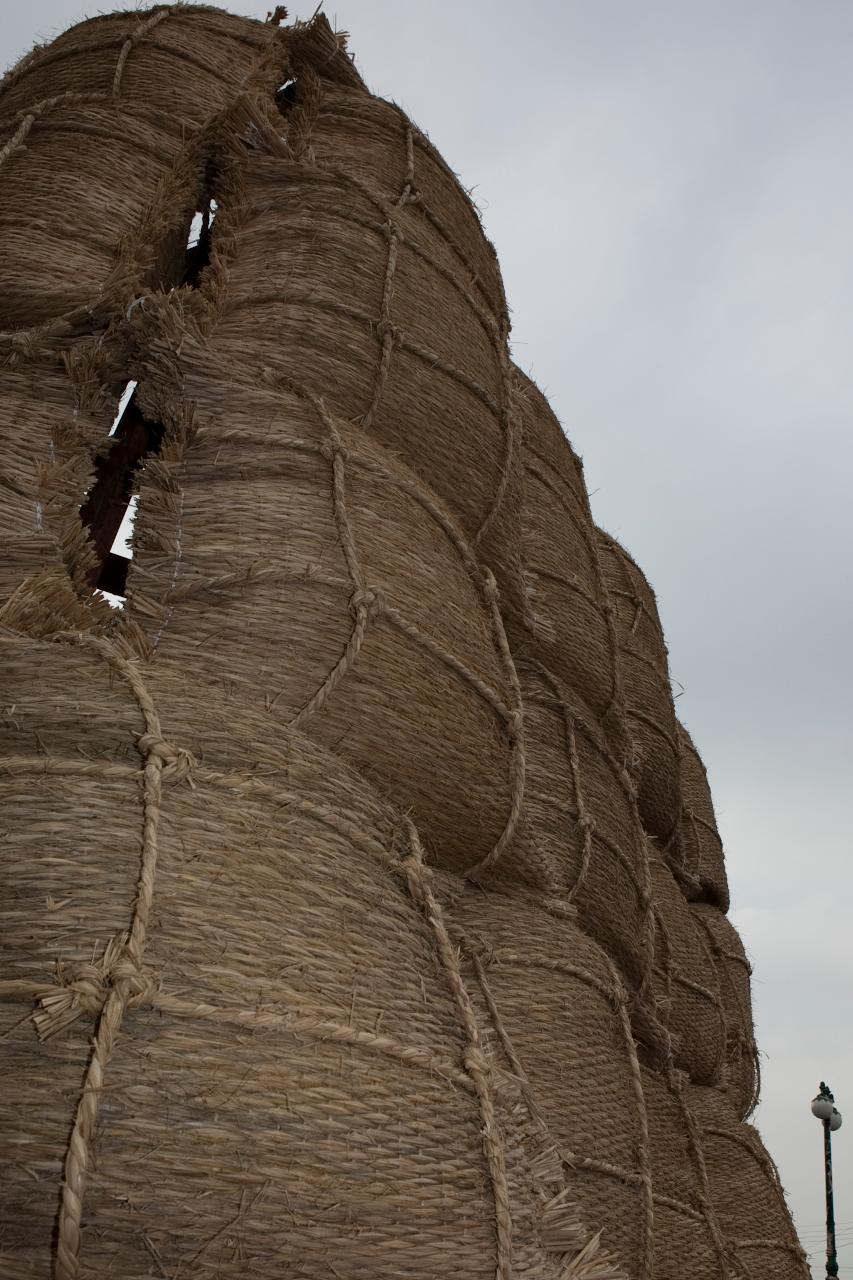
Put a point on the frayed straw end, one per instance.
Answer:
(59, 1009)
(563, 1232)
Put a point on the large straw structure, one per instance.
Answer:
(97, 145)
(734, 974)
(579, 831)
(644, 671)
(270, 530)
(285, 1070)
(686, 982)
(701, 859)
(569, 620)
(347, 256)
(243, 1033)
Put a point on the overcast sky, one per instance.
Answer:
(670, 191)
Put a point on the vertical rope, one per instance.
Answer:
(127, 979)
(385, 329)
(726, 1258)
(364, 603)
(476, 1063)
(647, 1247)
(514, 719)
(131, 42)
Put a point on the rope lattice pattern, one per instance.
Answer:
(638, 1154)
(396, 654)
(334, 261)
(572, 617)
(686, 982)
(734, 971)
(580, 821)
(126, 96)
(322, 991)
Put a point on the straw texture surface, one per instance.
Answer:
(644, 670)
(700, 848)
(282, 551)
(346, 255)
(569, 619)
(285, 1071)
(734, 974)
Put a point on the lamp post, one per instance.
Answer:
(823, 1106)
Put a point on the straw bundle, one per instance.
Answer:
(555, 1014)
(96, 149)
(280, 550)
(700, 849)
(747, 1197)
(685, 981)
(644, 671)
(572, 627)
(734, 973)
(285, 1074)
(346, 255)
(53, 414)
(579, 831)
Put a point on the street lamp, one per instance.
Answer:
(823, 1106)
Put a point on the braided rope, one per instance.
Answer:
(476, 1062)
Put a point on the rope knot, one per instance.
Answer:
(332, 448)
(391, 231)
(515, 724)
(83, 988)
(476, 1062)
(177, 763)
(490, 587)
(369, 599)
(388, 333)
(587, 823)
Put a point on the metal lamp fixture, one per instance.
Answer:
(823, 1106)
